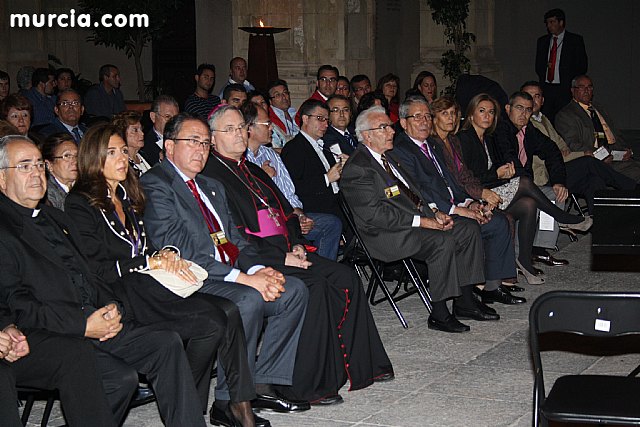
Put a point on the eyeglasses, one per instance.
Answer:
(195, 143)
(67, 157)
(345, 87)
(28, 167)
(382, 127)
(321, 119)
(67, 104)
(340, 111)
(328, 79)
(113, 152)
(267, 124)
(18, 115)
(242, 127)
(280, 94)
(421, 117)
(523, 109)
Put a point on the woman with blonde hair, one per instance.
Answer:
(519, 196)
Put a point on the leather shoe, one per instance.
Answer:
(330, 400)
(549, 260)
(478, 313)
(218, 417)
(450, 324)
(142, 396)
(389, 376)
(277, 403)
(498, 295)
(511, 288)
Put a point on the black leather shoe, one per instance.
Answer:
(501, 296)
(477, 313)
(277, 403)
(389, 376)
(511, 288)
(218, 417)
(142, 396)
(330, 400)
(549, 260)
(450, 324)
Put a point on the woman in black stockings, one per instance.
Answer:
(518, 196)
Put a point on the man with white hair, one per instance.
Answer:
(396, 223)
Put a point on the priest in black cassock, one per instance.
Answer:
(339, 339)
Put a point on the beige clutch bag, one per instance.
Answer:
(177, 285)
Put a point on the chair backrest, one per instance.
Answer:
(597, 317)
(598, 314)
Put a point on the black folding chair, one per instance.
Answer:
(407, 283)
(596, 323)
(30, 395)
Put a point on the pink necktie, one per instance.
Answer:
(522, 153)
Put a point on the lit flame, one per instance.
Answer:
(261, 23)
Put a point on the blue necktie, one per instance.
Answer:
(76, 134)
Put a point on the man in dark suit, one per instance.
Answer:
(426, 166)
(518, 141)
(48, 286)
(163, 109)
(69, 111)
(339, 132)
(314, 169)
(586, 126)
(190, 211)
(396, 223)
(560, 56)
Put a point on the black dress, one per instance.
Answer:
(339, 339)
(117, 251)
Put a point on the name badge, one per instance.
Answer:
(391, 191)
(219, 238)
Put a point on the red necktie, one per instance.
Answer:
(551, 71)
(522, 153)
(228, 251)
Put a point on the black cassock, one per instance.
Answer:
(339, 339)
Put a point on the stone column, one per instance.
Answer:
(433, 43)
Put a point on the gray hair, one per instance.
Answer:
(403, 111)
(4, 147)
(574, 81)
(163, 99)
(213, 119)
(363, 122)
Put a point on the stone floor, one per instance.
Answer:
(480, 378)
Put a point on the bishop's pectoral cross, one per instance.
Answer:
(274, 216)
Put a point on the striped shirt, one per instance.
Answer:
(282, 178)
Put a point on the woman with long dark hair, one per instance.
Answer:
(425, 83)
(389, 86)
(107, 205)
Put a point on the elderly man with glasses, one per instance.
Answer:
(395, 222)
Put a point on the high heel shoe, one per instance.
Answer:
(529, 277)
(583, 226)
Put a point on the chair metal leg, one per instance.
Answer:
(425, 296)
(28, 405)
(47, 411)
(377, 282)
